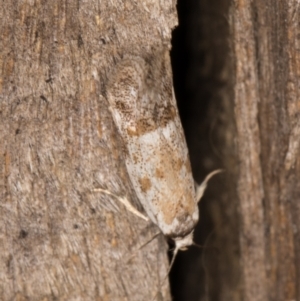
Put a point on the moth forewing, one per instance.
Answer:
(144, 111)
(156, 157)
(154, 167)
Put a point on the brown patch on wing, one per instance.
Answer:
(159, 173)
(135, 159)
(145, 184)
(178, 164)
(180, 206)
(168, 114)
(146, 125)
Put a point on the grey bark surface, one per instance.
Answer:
(59, 239)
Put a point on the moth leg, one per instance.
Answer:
(125, 202)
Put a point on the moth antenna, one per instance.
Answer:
(142, 246)
(172, 262)
(198, 246)
(202, 247)
(200, 189)
(169, 269)
(125, 202)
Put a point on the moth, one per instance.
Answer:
(144, 110)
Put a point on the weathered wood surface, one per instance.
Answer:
(60, 240)
(266, 46)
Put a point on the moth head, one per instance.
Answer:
(182, 243)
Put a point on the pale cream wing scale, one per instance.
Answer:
(162, 179)
(146, 116)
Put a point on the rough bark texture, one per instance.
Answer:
(266, 46)
(59, 239)
(237, 83)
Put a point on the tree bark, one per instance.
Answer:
(59, 239)
(266, 46)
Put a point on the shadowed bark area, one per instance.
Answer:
(236, 75)
(203, 71)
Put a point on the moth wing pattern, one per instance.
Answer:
(143, 106)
